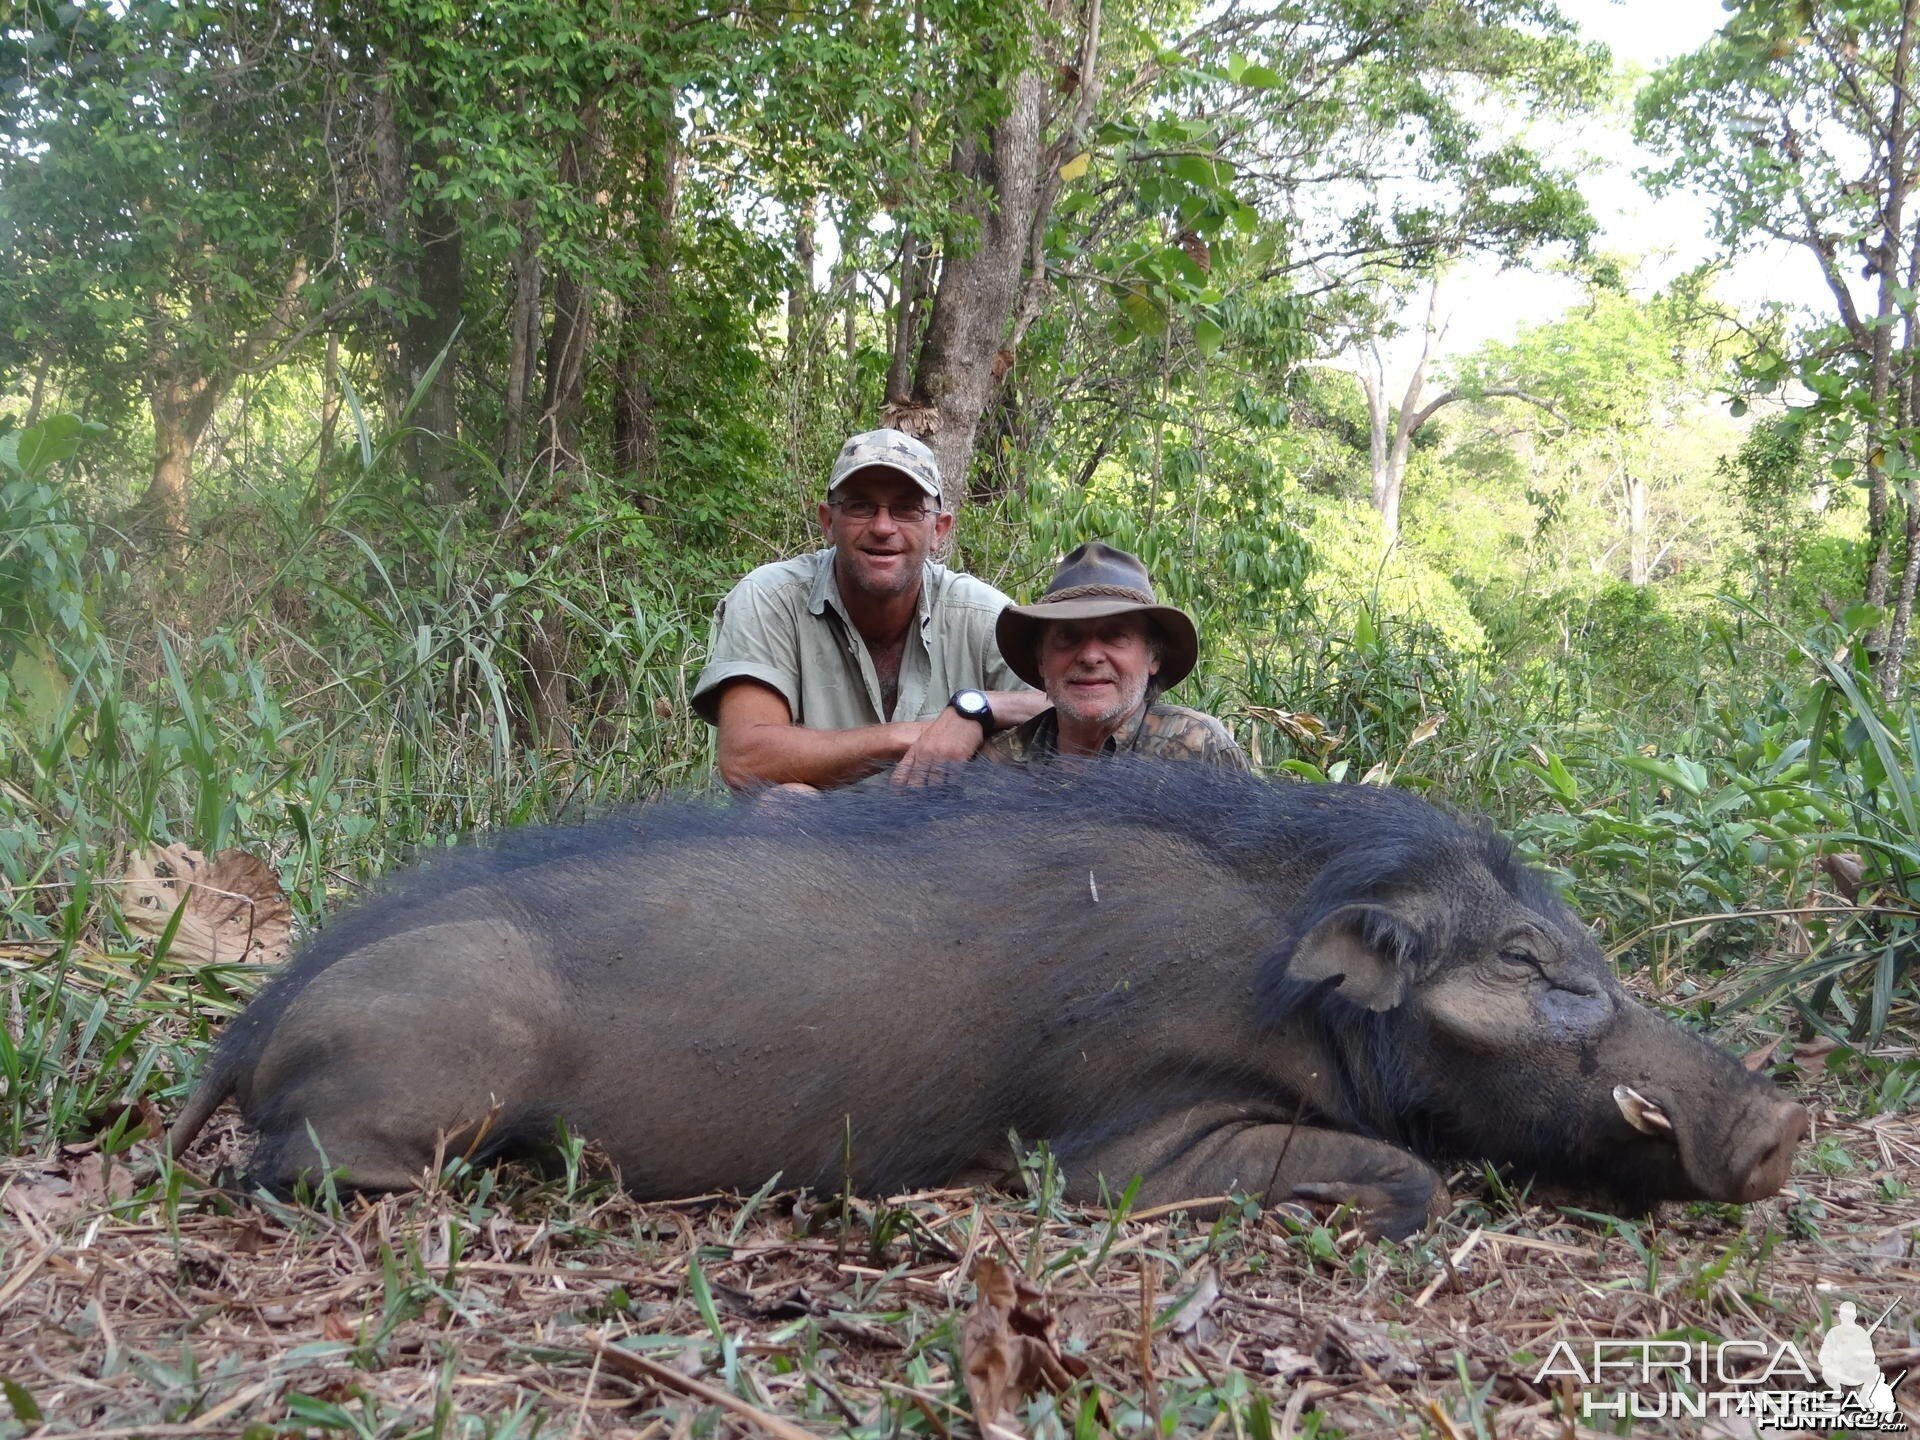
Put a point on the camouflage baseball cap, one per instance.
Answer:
(892, 449)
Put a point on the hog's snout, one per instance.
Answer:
(1687, 1121)
(1774, 1129)
(1741, 1154)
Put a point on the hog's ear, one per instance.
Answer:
(1363, 947)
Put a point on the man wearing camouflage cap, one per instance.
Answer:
(836, 665)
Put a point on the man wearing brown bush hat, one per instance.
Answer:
(1105, 650)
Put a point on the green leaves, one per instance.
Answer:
(27, 454)
(1680, 773)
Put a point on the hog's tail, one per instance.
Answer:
(213, 1090)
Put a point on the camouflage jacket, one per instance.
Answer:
(1164, 732)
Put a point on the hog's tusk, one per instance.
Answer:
(1642, 1114)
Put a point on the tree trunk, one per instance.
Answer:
(638, 357)
(566, 372)
(166, 497)
(965, 352)
(1391, 432)
(572, 330)
(523, 337)
(849, 327)
(1893, 662)
(544, 649)
(987, 297)
(390, 161)
(906, 323)
(800, 294)
(427, 336)
(39, 391)
(549, 706)
(1887, 668)
(1636, 496)
(1379, 423)
(426, 265)
(182, 396)
(329, 424)
(181, 409)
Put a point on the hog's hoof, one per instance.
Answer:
(1389, 1209)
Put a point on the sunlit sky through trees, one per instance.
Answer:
(1665, 236)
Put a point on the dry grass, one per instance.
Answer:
(503, 1305)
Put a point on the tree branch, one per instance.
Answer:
(1502, 392)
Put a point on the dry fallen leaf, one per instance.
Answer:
(83, 1185)
(1346, 1345)
(1191, 1318)
(1283, 1362)
(1811, 1055)
(1846, 868)
(236, 912)
(1757, 1060)
(1892, 1245)
(1007, 1348)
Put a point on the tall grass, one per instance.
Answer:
(357, 697)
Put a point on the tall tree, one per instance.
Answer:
(1392, 427)
(416, 134)
(1254, 147)
(170, 207)
(1797, 123)
(992, 285)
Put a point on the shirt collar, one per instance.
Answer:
(825, 592)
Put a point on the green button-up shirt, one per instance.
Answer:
(784, 625)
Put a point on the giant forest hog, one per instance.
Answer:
(1212, 981)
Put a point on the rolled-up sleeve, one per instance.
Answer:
(755, 637)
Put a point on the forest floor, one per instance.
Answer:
(505, 1305)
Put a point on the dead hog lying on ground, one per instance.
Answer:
(1211, 981)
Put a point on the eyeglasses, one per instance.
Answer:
(915, 514)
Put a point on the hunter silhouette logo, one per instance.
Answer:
(1847, 1364)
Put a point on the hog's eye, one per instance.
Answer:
(1523, 958)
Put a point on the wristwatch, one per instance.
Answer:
(973, 704)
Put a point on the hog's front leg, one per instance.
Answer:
(1216, 1150)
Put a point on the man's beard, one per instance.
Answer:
(1126, 701)
(899, 580)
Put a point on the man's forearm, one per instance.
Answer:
(1015, 707)
(785, 754)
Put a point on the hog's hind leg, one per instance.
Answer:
(1220, 1149)
(439, 1041)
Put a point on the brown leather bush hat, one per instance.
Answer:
(1095, 581)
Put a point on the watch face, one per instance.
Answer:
(971, 703)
